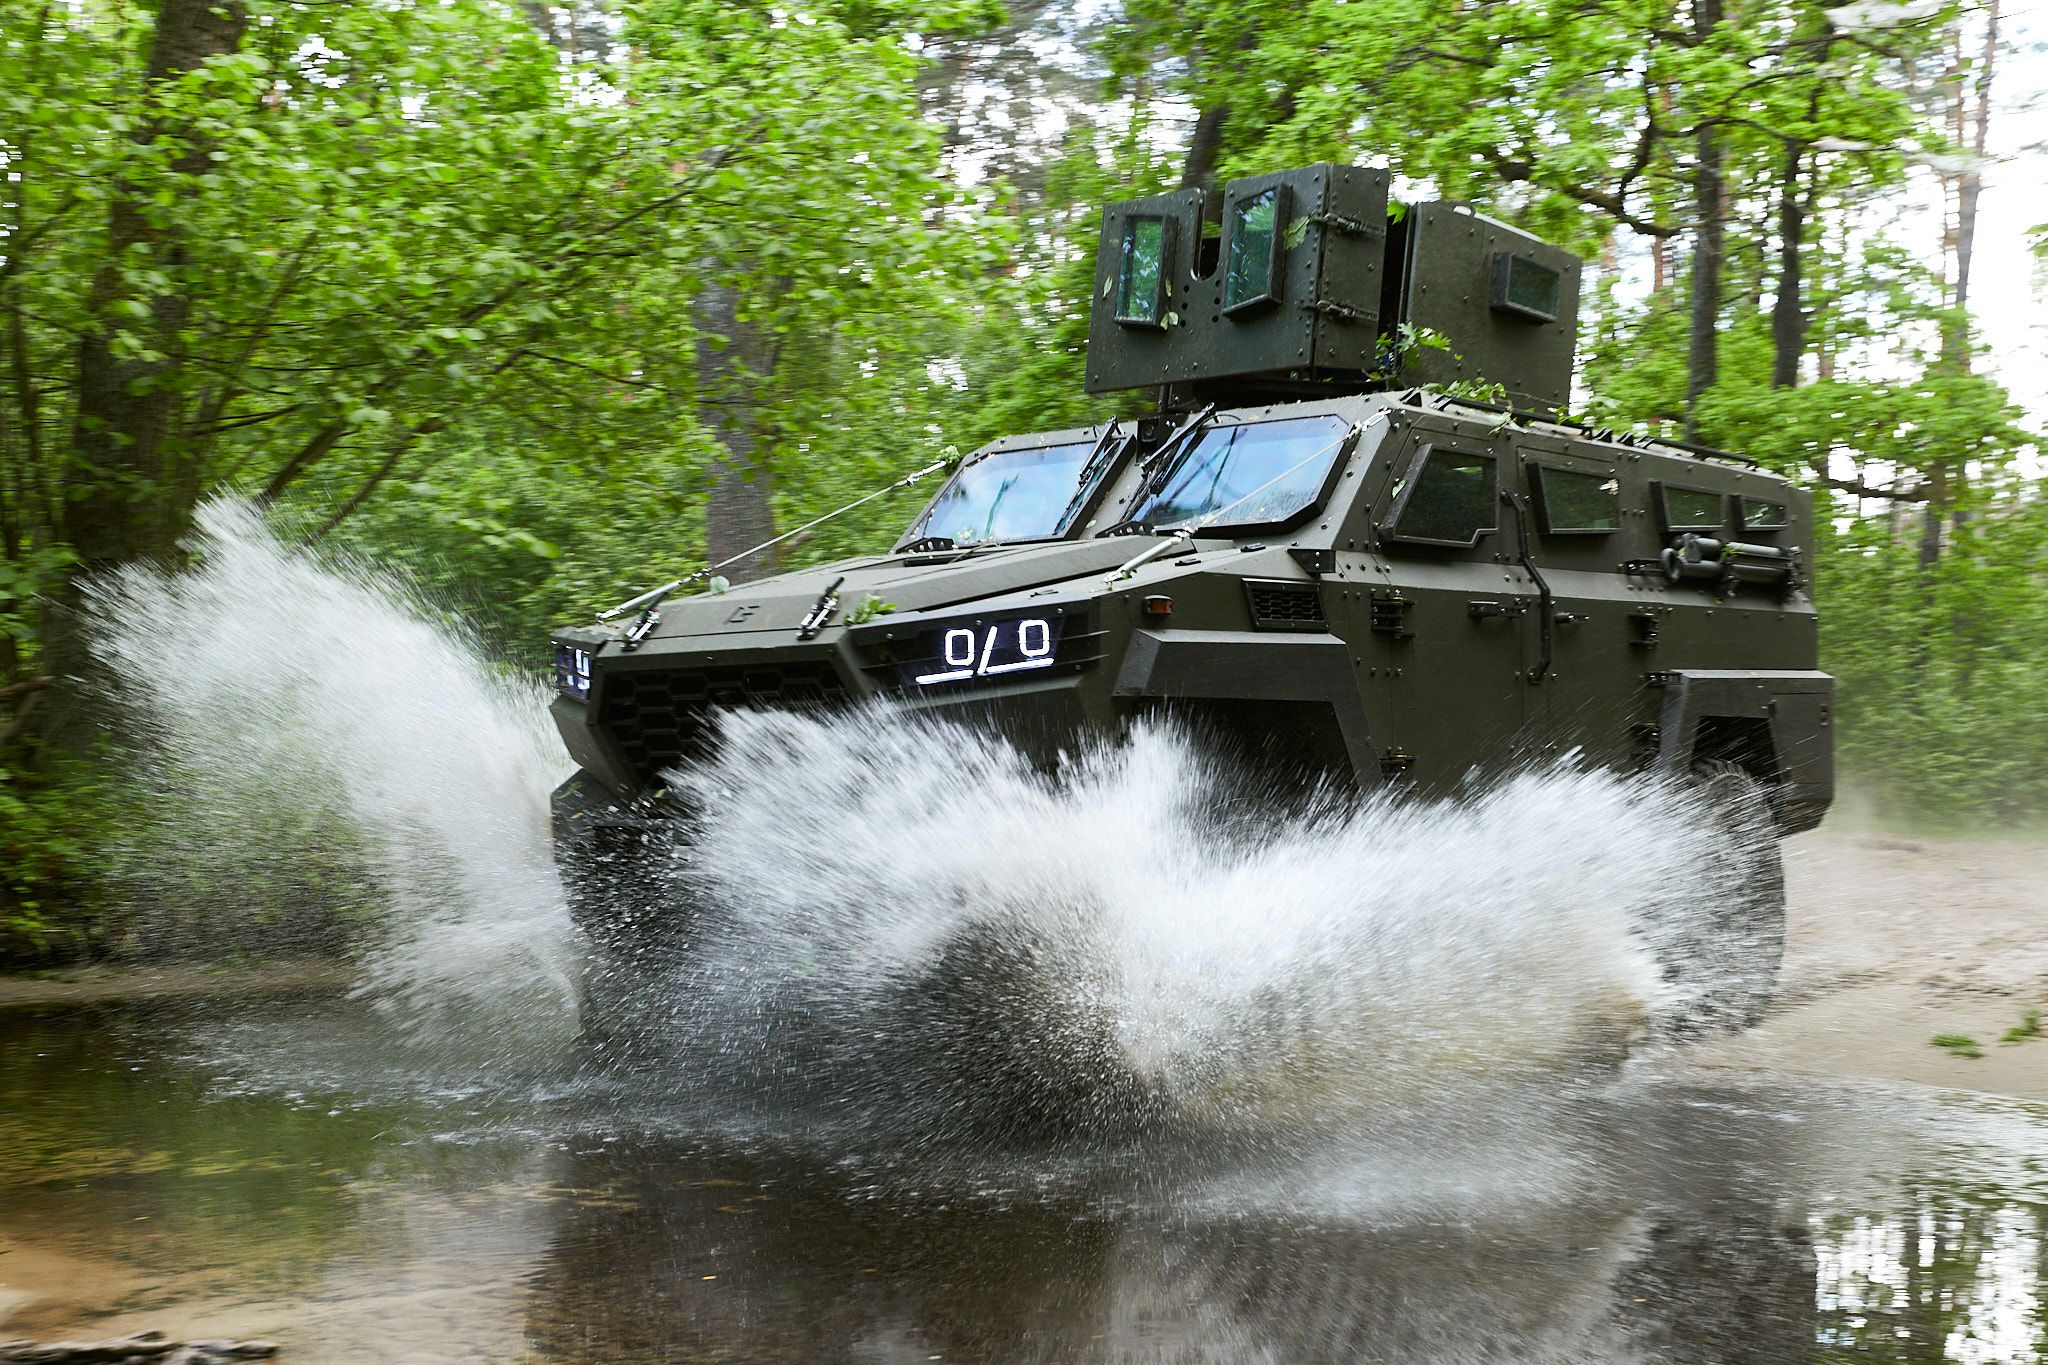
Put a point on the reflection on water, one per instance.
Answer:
(297, 1172)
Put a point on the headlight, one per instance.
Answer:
(986, 648)
(572, 671)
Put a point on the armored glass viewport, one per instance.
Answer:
(1761, 514)
(1575, 503)
(1525, 288)
(1143, 272)
(1251, 265)
(1689, 509)
(1448, 498)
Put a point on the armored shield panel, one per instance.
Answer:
(1284, 284)
(1506, 304)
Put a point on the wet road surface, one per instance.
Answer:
(302, 1172)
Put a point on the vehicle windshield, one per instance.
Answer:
(1023, 494)
(1252, 474)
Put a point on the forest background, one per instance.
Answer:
(543, 304)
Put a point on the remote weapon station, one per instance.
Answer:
(1316, 550)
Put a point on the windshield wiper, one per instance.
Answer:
(1176, 446)
(1098, 460)
(1180, 443)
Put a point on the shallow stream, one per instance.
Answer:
(300, 1170)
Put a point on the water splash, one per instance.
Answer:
(892, 920)
(906, 917)
(310, 732)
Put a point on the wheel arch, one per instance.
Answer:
(1778, 726)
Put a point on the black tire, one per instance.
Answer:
(616, 865)
(1010, 1041)
(1729, 946)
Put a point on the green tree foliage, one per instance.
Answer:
(421, 276)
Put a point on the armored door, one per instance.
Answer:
(1447, 675)
(1589, 646)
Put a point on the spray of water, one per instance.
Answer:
(909, 917)
(311, 731)
(894, 920)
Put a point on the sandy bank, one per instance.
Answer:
(109, 985)
(1891, 942)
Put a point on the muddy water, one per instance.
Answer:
(303, 1171)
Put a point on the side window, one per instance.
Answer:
(1447, 498)
(1144, 268)
(1575, 502)
(1690, 509)
(1525, 288)
(1761, 514)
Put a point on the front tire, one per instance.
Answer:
(1727, 952)
(617, 861)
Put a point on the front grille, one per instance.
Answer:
(657, 716)
(1286, 606)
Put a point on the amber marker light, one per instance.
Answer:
(1159, 606)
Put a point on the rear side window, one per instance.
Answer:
(1761, 514)
(1689, 509)
(1574, 502)
(1448, 498)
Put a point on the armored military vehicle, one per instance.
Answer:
(1358, 535)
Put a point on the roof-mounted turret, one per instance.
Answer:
(1286, 285)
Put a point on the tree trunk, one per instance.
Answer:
(740, 513)
(1788, 316)
(119, 502)
(1947, 477)
(128, 488)
(1973, 127)
(1702, 353)
(1205, 148)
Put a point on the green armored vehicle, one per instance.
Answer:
(1315, 551)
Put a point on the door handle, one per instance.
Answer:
(1546, 601)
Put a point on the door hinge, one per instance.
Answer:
(1390, 615)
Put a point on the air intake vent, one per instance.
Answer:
(657, 716)
(1286, 606)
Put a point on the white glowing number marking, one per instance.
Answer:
(967, 655)
(1024, 629)
(577, 679)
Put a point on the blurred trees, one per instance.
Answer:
(439, 267)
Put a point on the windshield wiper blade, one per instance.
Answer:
(1091, 472)
(1158, 459)
(1180, 443)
